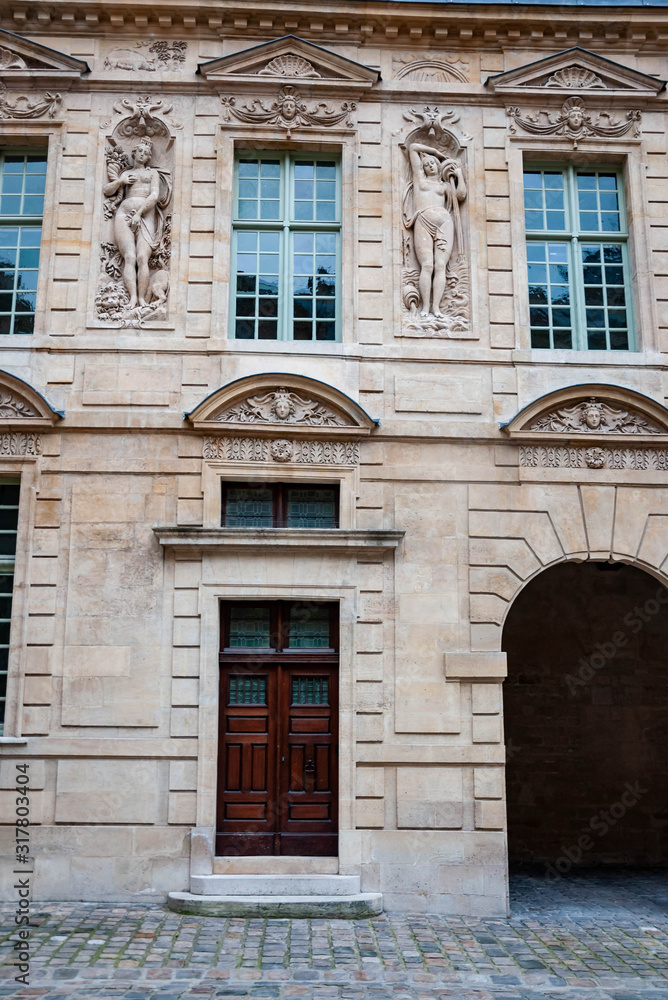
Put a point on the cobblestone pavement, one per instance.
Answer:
(599, 938)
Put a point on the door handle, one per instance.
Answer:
(309, 767)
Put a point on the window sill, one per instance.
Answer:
(554, 356)
(330, 539)
(13, 740)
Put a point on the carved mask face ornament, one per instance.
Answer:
(592, 417)
(282, 407)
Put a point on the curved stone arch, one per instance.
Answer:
(617, 397)
(272, 400)
(22, 406)
(518, 531)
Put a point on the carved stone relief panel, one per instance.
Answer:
(432, 68)
(135, 250)
(147, 57)
(435, 275)
(555, 457)
(18, 444)
(592, 416)
(289, 112)
(281, 406)
(282, 450)
(575, 122)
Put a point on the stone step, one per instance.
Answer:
(353, 907)
(275, 885)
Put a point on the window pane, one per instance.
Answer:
(598, 202)
(314, 267)
(309, 627)
(312, 508)
(250, 627)
(310, 690)
(544, 200)
(248, 507)
(22, 184)
(247, 689)
(257, 283)
(550, 313)
(606, 315)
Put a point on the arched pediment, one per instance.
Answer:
(592, 411)
(265, 404)
(23, 407)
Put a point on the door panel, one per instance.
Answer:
(278, 764)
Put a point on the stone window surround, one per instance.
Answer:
(343, 143)
(40, 135)
(627, 157)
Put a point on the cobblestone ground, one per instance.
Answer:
(599, 938)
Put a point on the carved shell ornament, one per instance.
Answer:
(575, 122)
(593, 416)
(290, 65)
(575, 78)
(283, 407)
(10, 60)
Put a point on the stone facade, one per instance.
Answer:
(467, 462)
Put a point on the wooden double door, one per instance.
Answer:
(278, 756)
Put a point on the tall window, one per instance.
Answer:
(577, 253)
(286, 250)
(22, 182)
(9, 514)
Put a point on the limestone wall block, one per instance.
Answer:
(430, 797)
(107, 791)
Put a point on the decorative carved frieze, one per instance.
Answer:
(147, 57)
(435, 275)
(300, 452)
(26, 107)
(558, 457)
(135, 256)
(575, 78)
(431, 68)
(592, 416)
(18, 444)
(289, 112)
(281, 406)
(575, 122)
(290, 65)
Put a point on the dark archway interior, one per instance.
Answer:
(586, 718)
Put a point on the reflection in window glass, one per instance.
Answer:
(577, 279)
(22, 184)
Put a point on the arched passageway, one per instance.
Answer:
(586, 718)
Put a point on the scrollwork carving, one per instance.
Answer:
(281, 406)
(25, 107)
(135, 258)
(289, 112)
(300, 452)
(592, 416)
(19, 444)
(575, 122)
(558, 457)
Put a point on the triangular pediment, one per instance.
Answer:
(289, 59)
(575, 71)
(25, 62)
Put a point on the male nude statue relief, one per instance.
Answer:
(437, 187)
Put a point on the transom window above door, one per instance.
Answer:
(286, 247)
(279, 505)
(577, 258)
(279, 627)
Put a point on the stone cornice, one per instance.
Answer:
(482, 25)
(335, 540)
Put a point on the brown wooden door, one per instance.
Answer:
(278, 759)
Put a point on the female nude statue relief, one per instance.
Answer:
(437, 186)
(141, 194)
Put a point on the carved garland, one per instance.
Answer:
(575, 122)
(300, 452)
(289, 112)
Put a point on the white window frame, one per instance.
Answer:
(287, 226)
